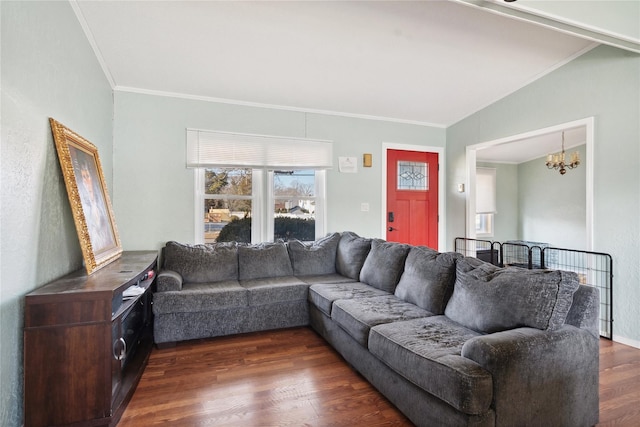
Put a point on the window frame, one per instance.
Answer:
(262, 203)
(487, 225)
(486, 200)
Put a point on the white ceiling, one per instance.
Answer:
(427, 62)
(523, 150)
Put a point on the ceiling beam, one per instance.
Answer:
(556, 23)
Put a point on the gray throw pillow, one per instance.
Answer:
(489, 299)
(317, 257)
(202, 263)
(351, 254)
(384, 264)
(263, 261)
(428, 278)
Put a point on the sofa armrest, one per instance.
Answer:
(585, 310)
(555, 372)
(168, 280)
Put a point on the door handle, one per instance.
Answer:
(391, 229)
(119, 355)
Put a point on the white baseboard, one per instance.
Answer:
(626, 341)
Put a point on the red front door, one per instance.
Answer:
(412, 197)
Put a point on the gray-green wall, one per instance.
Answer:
(533, 204)
(603, 83)
(155, 192)
(48, 70)
(552, 208)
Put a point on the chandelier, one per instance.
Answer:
(557, 161)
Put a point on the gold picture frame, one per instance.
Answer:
(88, 196)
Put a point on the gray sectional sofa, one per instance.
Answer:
(450, 340)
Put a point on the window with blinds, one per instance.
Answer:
(485, 201)
(224, 149)
(255, 188)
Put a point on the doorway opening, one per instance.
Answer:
(524, 142)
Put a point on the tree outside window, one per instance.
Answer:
(228, 198)
(229, 195)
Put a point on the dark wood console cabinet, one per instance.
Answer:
(85, 346)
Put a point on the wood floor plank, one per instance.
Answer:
(292, 377)
(619, 385)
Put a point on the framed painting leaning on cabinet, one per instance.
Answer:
(89, 198)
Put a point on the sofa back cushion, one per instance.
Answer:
(263, 261)
(428, 278)
(384, 264)
(489, 299)
(314, 258)
(351, 254)
(202, 263)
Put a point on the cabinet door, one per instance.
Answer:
(70, 374)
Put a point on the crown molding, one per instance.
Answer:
(271, 106)
(89, 35)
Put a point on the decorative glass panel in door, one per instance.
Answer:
(413, 176)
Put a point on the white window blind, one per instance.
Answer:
(214, 148)
(485, 190)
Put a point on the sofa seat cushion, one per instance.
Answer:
(323, 295)
(428, 278)
(317, 257)
(274, 290)
(427, 352)
(384, 264)
(197, 297)
(357, 316)
(491, 299)
(325, 278)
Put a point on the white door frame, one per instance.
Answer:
(441, 196)
(588, 123)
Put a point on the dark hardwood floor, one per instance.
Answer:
(293, 377)
(619, 384)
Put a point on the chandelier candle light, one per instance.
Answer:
(557, 161)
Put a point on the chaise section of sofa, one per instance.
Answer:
(491, 346)
(527, 344)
